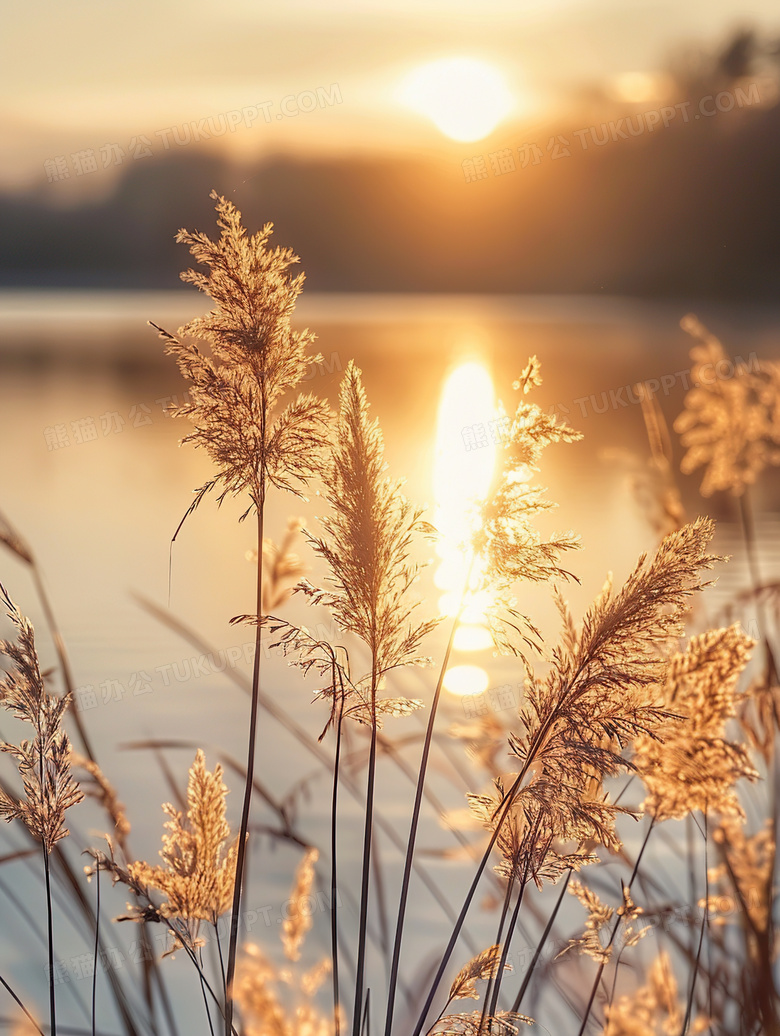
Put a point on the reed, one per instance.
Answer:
(256, 359)
(635, 709)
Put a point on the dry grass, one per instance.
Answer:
(629, 695)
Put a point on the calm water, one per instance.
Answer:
(92, 476)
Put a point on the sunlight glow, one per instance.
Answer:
(465, 98)
(461, 476)
(466, 679)
(637, 87)
(461, 479)
(472, 638)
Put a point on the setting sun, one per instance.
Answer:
(465, 98)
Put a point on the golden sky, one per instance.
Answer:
(92, 73)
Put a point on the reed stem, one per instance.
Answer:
(97, 947)
(50, 926)
(542, 941)
(235, 916)
(502, 811)
(600, 971)
(512, 926)
(334, 890)
(418, 797)
(366, 875)
(486, 1010)
(704, 919)
(19, 1003)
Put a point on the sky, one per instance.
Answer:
(90, 74)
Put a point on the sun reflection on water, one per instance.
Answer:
(462, 477)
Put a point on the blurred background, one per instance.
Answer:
(501, 147)
(464, 183)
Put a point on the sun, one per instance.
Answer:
(464, 97)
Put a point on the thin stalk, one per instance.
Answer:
(205, 998)
(503, 810)
(379, 886)
(507, 942)
(69, 684)
(194, 958)
(311, 746)
(766, 994)
(542, 941)
(704, 919)
(441, 1014)
(513, 922)
(500, 815)
(166, 1000)
(691, 875)
(366, 1026)
(49, 917)
(97, 946)
(334, 889)
(600, 971)
(24, 552)
(751, 550)
(499, 936)
(127, 1012)
(618, 960)
(235, 916)
(390, 749)
(62, 655)
(147, 979)
(50, 926)
(366, 875)
(34, 927)
(218, 941)
(20, 1004)
(418, 797)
